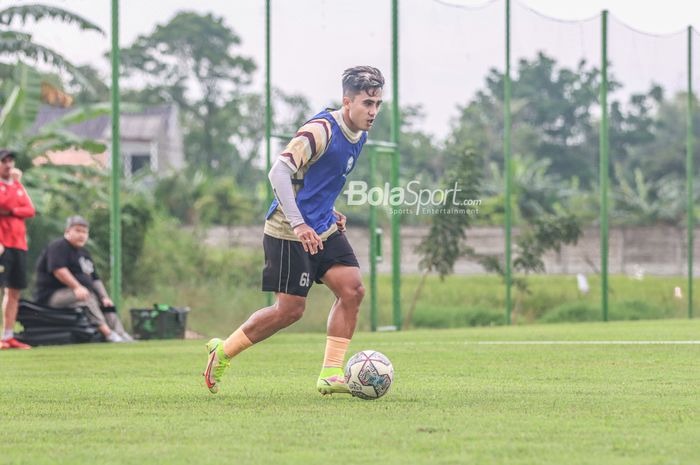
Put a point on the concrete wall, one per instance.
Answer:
(657, 250)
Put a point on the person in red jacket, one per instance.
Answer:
(15, 207)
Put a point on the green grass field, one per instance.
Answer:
(454, 401)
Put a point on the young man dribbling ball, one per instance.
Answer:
(304, 237)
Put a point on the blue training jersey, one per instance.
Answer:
(325, 177)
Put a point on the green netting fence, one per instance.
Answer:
(587, 117)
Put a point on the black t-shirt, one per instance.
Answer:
(61, 254)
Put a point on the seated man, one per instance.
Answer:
(66, 277)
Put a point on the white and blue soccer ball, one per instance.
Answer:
(369, 374)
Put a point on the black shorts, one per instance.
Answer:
(13, 273)
(291, 270)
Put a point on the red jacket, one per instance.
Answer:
(14, 199)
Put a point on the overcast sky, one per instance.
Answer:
(445, 51)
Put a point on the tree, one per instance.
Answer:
(197, 198)
(555, 130)
(224, 203)
(20, 45)
(19, 110)
(661, 152)
(541, 235)
(552, 116)
(192, 61)
(541, 204)
(536, 191)
(23, 85)
(96, 90)
(444, 244)
(421, 155)
(645, 201)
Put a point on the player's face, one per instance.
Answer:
(77, 235)
(362, 109)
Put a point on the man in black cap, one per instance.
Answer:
(15, 208)
(66, 277)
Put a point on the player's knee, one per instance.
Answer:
(354, 295)
(360, 293)
(294, 313)
(292, 310)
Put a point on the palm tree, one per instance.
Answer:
(20, 93)
(20, 45)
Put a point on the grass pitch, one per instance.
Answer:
(454, 401)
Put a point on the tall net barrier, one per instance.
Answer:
(647, 139)
(452, 59)
(555, 126)
(556, 155)
(451, 79)
(311, 46)
(448, 54)
(691, 175)
(451, 86)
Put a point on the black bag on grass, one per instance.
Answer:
(44, 325)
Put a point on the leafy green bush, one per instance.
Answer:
(62, 191)
(176, 267)
(203, 198)
(572, 311)
(635, 310)
(136, 218)
(176, 256)
(455, 317)
(630, 309)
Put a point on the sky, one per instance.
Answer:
(445, 51)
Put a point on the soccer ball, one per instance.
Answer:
(369, 374)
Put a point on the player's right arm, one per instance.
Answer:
(309, 143)
(281, 179)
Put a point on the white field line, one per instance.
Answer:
(593, 343)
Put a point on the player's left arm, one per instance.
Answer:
(280, 177)
(340, 220)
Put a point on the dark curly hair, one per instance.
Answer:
(362, 78)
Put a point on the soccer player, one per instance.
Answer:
(304, 237)
(15, 207)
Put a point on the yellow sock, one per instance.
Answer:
(335, 351)
(236, 343)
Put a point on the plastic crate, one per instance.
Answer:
(159, 322)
